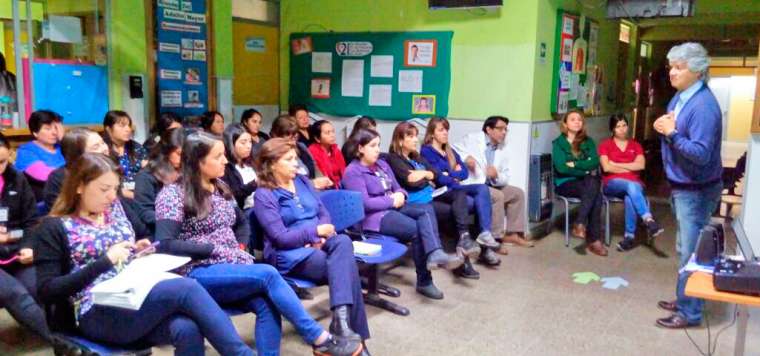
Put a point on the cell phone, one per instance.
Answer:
(16, 234)
(148, 250)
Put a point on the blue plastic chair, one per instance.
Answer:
(68, 344)
(347, 210)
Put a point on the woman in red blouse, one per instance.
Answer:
(621, 159)
(326, 153)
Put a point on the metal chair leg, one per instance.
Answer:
(567, 222)
(607, 234)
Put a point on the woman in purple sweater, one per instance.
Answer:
(389, 214)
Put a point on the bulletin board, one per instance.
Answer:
(386, 75)
(577, 77)
(182, 57)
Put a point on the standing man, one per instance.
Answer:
(691, 143)
(487, 161)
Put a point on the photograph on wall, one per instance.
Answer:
(567, 49)
(187, 55)
(420, 53)
(199, 44)
(193, 99)
(187, 43)
(580, 53)
(423, 104)
(320, 88)
(192, 76)
(301, 45)
(199, 56)
(567, 25)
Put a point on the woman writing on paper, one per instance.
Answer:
(300, 240)
(86, 236)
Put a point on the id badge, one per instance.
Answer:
(128, 185)
(3, 215)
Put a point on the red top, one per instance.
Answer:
(330, 163)
(612, 151)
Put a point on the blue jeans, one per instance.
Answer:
(482, 197)
(177, 311)
(259, 288)
(335, 266)
(636, 204)
(415, 223)
(692, 209)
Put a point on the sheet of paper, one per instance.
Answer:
(352, 80)
(564, 78)
(382, 66)
(440, 191)
(573, 88)
(581, 100)
(321, 62)
(380, 95)
(410, 81)
(562, 102)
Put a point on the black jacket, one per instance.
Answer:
(401, 169)
(18, 197)
(305, 156)
(234, 180)
(53, 186)
(55, 280)
(147, 187)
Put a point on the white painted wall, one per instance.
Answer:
(751, 198)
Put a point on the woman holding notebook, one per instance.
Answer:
(82, 243)
(300, 240)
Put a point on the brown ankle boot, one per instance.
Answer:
(579, 231)
(597, 248)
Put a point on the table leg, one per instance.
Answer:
(742, 315)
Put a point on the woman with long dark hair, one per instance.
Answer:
(251, 121)
(326, 153)
(362, 123)
(622, 158)
(300, 240)
(438, 152)
(197, 216)
(285, 126)
(576, 175)
(130, 155)
(388, 212)
(165, 122)
(239, 173)
(213, 122)
(82, 243)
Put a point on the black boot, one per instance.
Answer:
(466, 247)
(340, 326)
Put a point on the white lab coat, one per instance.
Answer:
(474, 145)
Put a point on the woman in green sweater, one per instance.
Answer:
(576, 175)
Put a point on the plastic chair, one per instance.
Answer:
(566, 202)
(346, 210)
(607, 200)
(68, 344)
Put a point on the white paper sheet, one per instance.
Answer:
(564, 78)
(352, 80)
(562, 102)
(382, 67)
(380, 95)
(573, 89)
(410, 81)
(581, 100)
(321, 62)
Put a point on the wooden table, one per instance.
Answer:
(700, 285)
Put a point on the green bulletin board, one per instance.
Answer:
(386, 75)
(576, 73)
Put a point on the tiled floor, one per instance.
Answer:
(529, 306)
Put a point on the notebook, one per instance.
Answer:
(131, 286)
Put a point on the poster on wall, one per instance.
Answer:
(420, 53)
(181, 31)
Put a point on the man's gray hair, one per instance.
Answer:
(694, 54)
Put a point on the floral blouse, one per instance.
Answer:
(130, 168)
(88, 243)
(216, 228)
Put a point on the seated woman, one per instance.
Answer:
(163, 168)
(621, 159)
(38, 158)
(75, 143)
(388, 213)
(18, 280)
(165, 122)
(326, 153)
(81, 244)
(213, 122)
(198, 217)
(130, 155)
(251, 121)
(364, 122)
(439, 153)
(417, 176)
(301, 242)
(239, 173)
(284, 126)
(301, 114)
(576, 165)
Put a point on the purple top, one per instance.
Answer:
(88, 243)
(376, 183)
(215, 229)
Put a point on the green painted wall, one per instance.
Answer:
(493, 55)
(222, 22)
(606, 53)
(128, 45)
